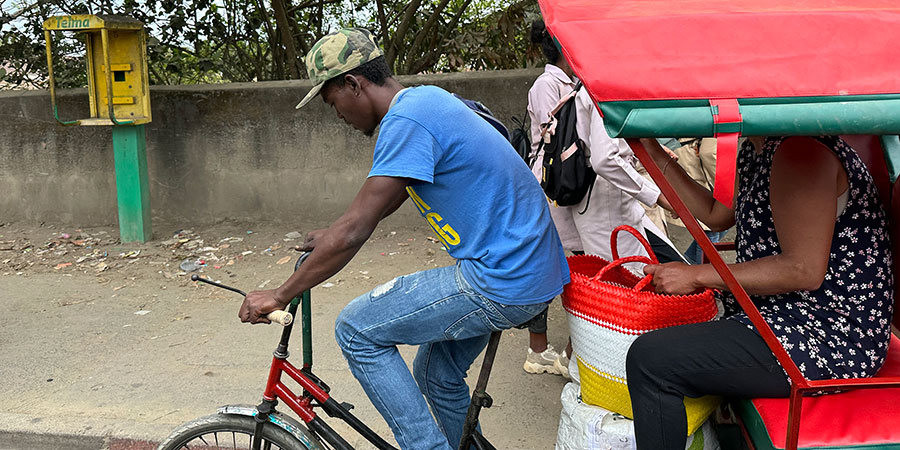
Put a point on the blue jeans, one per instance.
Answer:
(694, 254)
(450, 322)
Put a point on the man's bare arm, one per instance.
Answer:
(334, 247)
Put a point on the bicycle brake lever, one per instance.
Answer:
(196, 277)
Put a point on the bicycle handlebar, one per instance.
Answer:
(280, 317)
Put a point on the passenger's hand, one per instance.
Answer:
(258, 304)
(670, 152)
(672, 278)
(311, 239)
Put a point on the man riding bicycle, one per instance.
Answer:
(482, 202)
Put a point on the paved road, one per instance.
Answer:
(85, 367)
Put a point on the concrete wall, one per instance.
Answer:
(236, 151)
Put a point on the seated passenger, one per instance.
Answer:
(813, 253)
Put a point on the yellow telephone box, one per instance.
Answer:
(117, 67)
(119, 91)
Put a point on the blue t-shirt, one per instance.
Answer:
(477, 194)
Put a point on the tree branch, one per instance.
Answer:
(429, 58)
(420, 36)
(273, 39)
(402, 29)
(382, 21)
(6, 18)
(310, 4)
(287, 39)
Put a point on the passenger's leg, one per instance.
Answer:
(712, 358)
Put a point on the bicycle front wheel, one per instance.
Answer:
(223, 431)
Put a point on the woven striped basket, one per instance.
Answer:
(608, 308)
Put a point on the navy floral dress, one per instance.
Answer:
(842, 329)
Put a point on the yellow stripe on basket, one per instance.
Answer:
(606, 391)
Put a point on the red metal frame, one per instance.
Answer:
(276, 389)
(799, 384)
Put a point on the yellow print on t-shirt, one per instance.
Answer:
(444, 231)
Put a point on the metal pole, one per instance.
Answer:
(132, 187)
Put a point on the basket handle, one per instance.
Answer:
(638, 236)
(628, 259)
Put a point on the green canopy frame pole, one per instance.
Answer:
(132, 187)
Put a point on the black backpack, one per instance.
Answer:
(518, 137)
(567, 175)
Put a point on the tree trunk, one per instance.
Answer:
(284, 28)
(394, 51)
(273, 42)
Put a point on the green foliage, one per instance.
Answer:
(23, 55)
(215, 41)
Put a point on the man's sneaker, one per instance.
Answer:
(541, 362)
(561, 365)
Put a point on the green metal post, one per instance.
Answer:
(132, 187)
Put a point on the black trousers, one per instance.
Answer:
(723, 357)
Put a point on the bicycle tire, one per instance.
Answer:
(228, 431)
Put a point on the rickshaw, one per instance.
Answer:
(725, 69)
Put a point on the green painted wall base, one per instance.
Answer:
(132, 187)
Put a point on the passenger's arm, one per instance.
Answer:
(698, 199)
(804, 186)
(334, 247)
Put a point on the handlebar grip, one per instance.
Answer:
(283, 318)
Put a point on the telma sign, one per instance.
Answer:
(72, 22)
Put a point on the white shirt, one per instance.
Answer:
(618, 187)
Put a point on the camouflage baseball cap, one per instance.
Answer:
(337, 53)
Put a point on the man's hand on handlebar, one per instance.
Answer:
(258, 304)
(311, 238)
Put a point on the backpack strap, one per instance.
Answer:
(550, 125)
(485, 114)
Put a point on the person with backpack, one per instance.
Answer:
(598, 198)
(482, 203)
(544, 95)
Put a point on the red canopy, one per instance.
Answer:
(703, 49)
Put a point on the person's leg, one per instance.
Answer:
(713, 358)
(541, 356)
(421, 308)
(537, 333)
(440, 370)
(440, 367)
(694, 254)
